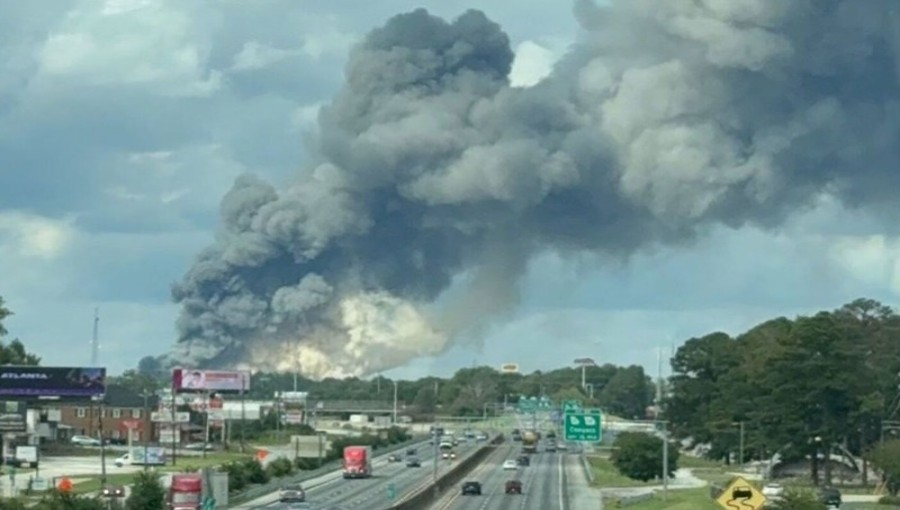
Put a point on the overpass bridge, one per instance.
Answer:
(356, 406)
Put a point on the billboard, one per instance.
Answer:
(59, 382)
(220, 381)
(13, 417)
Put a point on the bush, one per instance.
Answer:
(280, 467)
(57, 500)
(255, 472)
(639, 456)
(889, 500)
(307, 464)
(146, 492)
(794, 500)
(237, 475)
(12, 504)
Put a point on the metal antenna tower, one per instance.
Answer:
(95, 340)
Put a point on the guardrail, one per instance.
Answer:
(426, 495)
(258, 491)
(588, 470)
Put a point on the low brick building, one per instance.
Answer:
(121, 409)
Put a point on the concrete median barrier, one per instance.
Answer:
(427, 495)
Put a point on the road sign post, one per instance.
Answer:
(585, 426)
(391, 492)
(741, 494)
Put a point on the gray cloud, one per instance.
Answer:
(670, 117)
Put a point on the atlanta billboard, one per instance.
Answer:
(52, 382)
(219, 381)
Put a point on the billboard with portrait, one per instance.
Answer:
(52, 382)
(218, 381)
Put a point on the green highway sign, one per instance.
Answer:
(531, 404)
(584, 426)
(571, 406)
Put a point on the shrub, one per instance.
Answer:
(280, 467)
(237, 475)
(639, 456)
(146, 492)
(255, 472)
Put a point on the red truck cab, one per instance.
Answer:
(185, 492)
(357, 462)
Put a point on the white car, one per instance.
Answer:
(85, 441)
(773, 491)
(510, 464)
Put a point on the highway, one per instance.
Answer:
(332, 492)
(544, 483)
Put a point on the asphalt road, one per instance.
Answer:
(553, 480)
(334, 493)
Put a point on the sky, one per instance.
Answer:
(123, 123)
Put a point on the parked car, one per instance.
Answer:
(292, 494)
(471, 488)
(510, 464)
(830, 496)
(84, 441)
(513, 487)
(199, 447)
(773, 491)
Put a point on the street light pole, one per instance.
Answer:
(395, 402)
(665, 462)
(147, 428)
(584, 363)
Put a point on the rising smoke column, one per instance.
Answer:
(668, 116)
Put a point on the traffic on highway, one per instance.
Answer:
(393, 476)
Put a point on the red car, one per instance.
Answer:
(513, 487)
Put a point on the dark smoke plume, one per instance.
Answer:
(667, 117)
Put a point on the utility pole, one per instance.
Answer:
(102, 444)
(148, 431)
(395, 402)
(584, 363)
(243, 412)
(95, 339)
(665, 462)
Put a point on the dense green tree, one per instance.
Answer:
(821, 383)
(626, 394)
(639, 456)
(698, 367)
(886, 457)
(14, 352)
(146, 492)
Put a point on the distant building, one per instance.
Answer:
(122, 408)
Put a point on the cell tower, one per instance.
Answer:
(95, 339)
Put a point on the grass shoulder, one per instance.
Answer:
(683, 499)
(606, 474)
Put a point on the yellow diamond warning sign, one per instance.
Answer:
(740, 495)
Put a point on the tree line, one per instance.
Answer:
(801, 387)
(474, 391)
